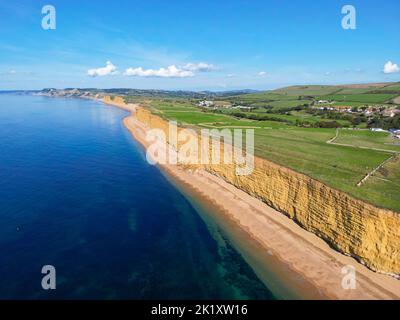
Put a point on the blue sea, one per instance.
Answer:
(77, 193)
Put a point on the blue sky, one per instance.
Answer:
(197, 45)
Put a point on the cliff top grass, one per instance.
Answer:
(306, 150)
(367, 94)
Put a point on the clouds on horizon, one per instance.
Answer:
(168, 72)
(199, 67)
(172, 71)
(192, 69)
(103, 71)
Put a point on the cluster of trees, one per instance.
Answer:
(297, 122)
(318, 124)
(384, 123)
(271, 109)
(354, 119)
(288, 109)
(327, 124)
(258, 117)
(331, 118)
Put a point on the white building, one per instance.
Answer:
(394, 113)
(206, 103)
(378, 130)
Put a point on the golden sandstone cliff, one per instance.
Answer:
(353, 227)
(116, 101)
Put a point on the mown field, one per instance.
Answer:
(387, 179)
(291, 118)
(364, 98)
(306, 150)
(280, 104)
(308, 90)
(369, 139)
(395, 87)
(367, 94)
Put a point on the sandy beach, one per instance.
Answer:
(286, 257)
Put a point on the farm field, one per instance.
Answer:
(369, 139)
(308, 90)
(393, 87)
(306, 150)
(387, 179)
(291, 118)
(348, 104)
(185, 114)
(364, 98)
(284, 104)
(301, 96)
(267, 96)
(354, 90)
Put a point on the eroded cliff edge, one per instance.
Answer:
(369, 234)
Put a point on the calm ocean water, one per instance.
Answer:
(77, 193)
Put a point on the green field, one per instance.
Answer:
(287, 104)
(393, 87)
(364, 98)
(354, 90)
(348, 104)
(370, 139)
(173, 106)
(308, 90)
(267, 96)
(306, 150)
(292, 117)
(387, 179)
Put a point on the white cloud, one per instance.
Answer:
(391, 67)
(262, 73)
(8, 73)
(328, 73)
(231, 75)
(172, 71)
(100, 72)
(169, 72)
(199, 67)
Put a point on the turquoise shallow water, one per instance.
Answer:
(77, 193)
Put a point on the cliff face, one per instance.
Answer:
(117, 101)
(353, 227)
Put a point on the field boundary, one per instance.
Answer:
(332, 141)
(370, 174)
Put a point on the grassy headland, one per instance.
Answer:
(293, 126)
